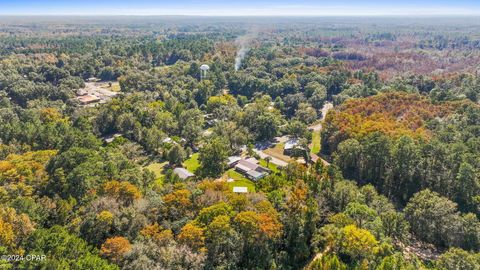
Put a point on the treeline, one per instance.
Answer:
(442, 158)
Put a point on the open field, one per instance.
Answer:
(315, 145)
(277, 152)
(157, 169)
(270, 166)
(240, 180)
(192, 164)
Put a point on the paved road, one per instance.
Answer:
(318, 126)
(259, 147)
(273, 160)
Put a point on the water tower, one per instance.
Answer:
(203, 71)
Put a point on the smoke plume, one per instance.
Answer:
(240, 55)
(244, 46)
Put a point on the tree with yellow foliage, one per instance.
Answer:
(357, 243)
(192, 236)
(123, 191)
(159, 234)
(115, 248)
(13, 228)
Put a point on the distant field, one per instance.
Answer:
(192, 164)
(157, 168)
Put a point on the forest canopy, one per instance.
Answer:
(301, 143)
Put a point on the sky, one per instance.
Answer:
(243, 7)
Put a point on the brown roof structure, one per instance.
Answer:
(88, 99)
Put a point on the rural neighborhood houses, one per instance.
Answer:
(95, 92)
(249, 167)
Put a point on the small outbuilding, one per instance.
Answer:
(240, 189)
(292, 147)
(111, 138)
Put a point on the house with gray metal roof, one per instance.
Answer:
(183, 173)
(250, 169)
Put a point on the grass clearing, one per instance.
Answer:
(239, 180)
(277, 151)
(157, 169)
(270, 166)
(192, 164)
(115, 87)
(315, 145)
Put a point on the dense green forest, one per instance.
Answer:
(117, 151)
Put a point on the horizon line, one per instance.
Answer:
(238, 15)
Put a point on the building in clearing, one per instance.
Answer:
(293, 146)
(290, 144)
(240, 189)
(233, 160)
(250, 169)
(183, 173)
(88, 99)
(111, 138)
(314, 158)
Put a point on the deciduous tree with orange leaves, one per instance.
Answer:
(115, 248)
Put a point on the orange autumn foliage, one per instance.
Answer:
(213, 185)
(394, 114)
(269, 226)
(114, 248)
(192, 236)
(297, 197)
(28, 167)
(178, 198)
(258, 225)
(156, 232)
(121, 190)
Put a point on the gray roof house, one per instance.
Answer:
(251, 170)
(233, 160)
(183, 173)
(291, 145)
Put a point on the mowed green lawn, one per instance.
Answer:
(277, 151)
(315, 146)
(240, 180)
(157, 169)
(271, 166)
(192, 164)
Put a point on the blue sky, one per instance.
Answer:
(241, 8)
